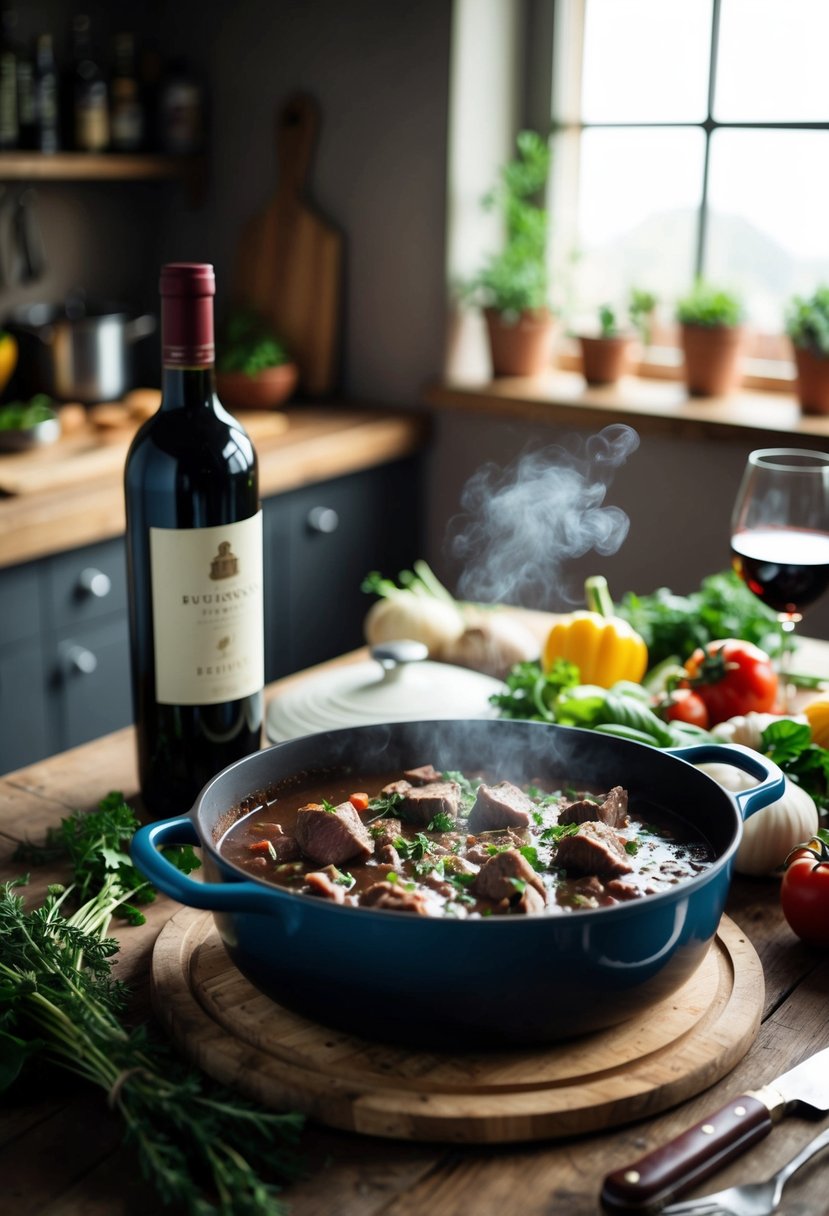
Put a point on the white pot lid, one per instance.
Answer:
(398, 684)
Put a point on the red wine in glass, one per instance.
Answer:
(786, 568)
(780, 533)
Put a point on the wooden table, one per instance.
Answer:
(59, 1145)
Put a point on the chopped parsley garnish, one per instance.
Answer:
(632, 847)
(343, 879)
(382, 806)
(413, 850)
(468, 787)
(442, 822)
(328, 807)
(530, 854)
(557, 832)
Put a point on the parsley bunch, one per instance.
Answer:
(195, 1141)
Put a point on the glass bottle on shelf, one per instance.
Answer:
(9, 128)
(90, 95)
(127, 126)
(47, 109)
(26, 111)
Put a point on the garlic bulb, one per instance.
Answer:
(770, 834)
(492, 642)
(747, 728)
(422, 618)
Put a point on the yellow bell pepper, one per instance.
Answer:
(603, 646)
(817, 715)
(8, 358)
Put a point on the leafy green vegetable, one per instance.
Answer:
(722, 607)
(441, 823)
(789, 744)
(199, 1144)
(23, 415)
(248, 346)
(622, 710)
(95, 844)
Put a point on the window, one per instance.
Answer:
(691, 137)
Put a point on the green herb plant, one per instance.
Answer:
(516, 278)
(23, 415)
(247, 345)
(197, 1143)
(807, 321)
(709, 306)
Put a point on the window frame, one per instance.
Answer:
(561, 38)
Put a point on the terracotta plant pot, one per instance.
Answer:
(812, 380)
(712, 358)
(606, 360)
(262, 391)
(523, 346)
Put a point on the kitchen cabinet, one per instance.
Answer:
(64, 641)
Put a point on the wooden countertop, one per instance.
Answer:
(59, 1144)
(660, 407)
(318, 443)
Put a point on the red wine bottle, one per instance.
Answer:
(194, 561)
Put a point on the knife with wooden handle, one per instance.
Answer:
(648, 1184)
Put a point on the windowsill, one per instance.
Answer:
(758, 417)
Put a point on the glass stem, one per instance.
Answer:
(788, 621)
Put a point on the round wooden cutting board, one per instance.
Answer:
(247, 1041)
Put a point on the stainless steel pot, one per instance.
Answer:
(77, 354)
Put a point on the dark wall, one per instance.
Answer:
(380, 73)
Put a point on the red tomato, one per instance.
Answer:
(804, 892)
(732, 677)
(684, 705)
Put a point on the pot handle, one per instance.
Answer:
(772, 781)
(139, 327)
(214, 896)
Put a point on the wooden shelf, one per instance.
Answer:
(190, 171)
(765, 419)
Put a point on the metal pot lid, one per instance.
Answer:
(398, 684)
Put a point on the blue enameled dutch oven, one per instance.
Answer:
(496, 981)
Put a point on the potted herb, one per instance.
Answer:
(512, 287)
(253, 369)
(608, 355)
(712, 335)
(807, 325)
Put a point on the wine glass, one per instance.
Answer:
(780, 534)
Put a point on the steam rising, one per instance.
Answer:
(520, 524)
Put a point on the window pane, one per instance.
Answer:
(639, 192)
(768, 233)
(646, 60)
(772, 61)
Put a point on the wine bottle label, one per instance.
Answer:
(207, 612)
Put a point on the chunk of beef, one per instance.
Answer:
(500, 806)
(388, 855)
(613, 810)
(479, 848)
(529, 902)
(621, 888)
(594, 849)
(324, 883)
(285, 847)
(498, 877)
(331, 837)
(425, 775)
(421, 803)
(394, 897)
(385, 831)
(396, 787)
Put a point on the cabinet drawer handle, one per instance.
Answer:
(77, 660)
(323, 519)
(94, 582)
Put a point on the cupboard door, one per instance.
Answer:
(24, 734)
(91, 682)
(87, 584)
(339, 531)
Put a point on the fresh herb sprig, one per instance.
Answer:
(196, 1142)
(789, 744)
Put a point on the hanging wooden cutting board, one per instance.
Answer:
(289, 259)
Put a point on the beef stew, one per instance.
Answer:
(457, 845)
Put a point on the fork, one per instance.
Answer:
(752, 1198)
